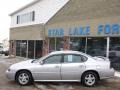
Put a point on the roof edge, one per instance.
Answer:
(26, 6)
(58, 11)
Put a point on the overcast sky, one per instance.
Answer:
(7, 7)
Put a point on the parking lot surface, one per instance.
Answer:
(5, 84)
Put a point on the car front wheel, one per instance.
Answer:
(24, 78)
(89, 79)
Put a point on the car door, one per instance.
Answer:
(72, 67)
(50, 69)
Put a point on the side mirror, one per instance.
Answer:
(41, 62)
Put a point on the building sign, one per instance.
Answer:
(108, 29)
(100, 29)
(56, 32)
(75, 31)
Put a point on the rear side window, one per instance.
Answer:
(72, 59)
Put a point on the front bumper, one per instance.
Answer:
(10, 75)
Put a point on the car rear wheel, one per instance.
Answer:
(89, 79)
(24, 78)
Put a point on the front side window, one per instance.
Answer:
(53, 59)
(72, 58)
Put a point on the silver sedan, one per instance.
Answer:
(62, 66)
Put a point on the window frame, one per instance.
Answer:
(18, 19)
(33, 15)
(21, 19)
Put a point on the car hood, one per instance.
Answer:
(23, 65)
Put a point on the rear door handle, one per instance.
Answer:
(56, 66)
(81, 66)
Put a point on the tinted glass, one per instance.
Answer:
(114, 52)
(18, 50)
(96, 46)
(31, 49)
(53, 60)
(38, 49)
(77, 44)
(23, 46)
(59, 44)
(51, 44)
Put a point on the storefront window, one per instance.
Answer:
(114, 52)
(23, 46)
(52, 44)
(59, 44)
(34, 49)
(96, 46)
(30, 49)
(38, 49)
(18, 48)
(56, 44)
(77, 44)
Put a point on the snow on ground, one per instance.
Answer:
(117, 74)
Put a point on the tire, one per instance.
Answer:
(24, 78)
(6, 54)
(89, 79)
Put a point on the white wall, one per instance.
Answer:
(44, 10)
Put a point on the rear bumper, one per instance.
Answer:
(108, 74)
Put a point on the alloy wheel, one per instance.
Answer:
(90, 79)
(23, 78)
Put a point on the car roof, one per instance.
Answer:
(66, 52)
